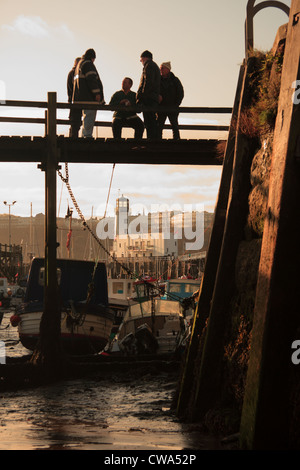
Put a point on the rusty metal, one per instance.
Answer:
(252, 10)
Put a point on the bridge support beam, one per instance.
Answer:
(50, 351)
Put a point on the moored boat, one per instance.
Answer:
(85, 324)
(154, 326)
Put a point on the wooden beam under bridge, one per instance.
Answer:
(101, 150)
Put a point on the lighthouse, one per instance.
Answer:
(122, 212)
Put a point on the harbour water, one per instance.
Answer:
(117, 411)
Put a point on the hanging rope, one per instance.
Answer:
(111, 178)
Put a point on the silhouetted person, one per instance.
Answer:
(126, 97)
(75, 114)
(148, 93)
(171, 94)
(88, 87)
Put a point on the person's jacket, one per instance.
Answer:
(149, 87)
(87, 83)
(171, 91)
(70, 84)
(119, 96)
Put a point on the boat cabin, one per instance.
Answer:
(178, 289)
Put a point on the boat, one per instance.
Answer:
(183, 288)
(85, 325)
(121, 295)
(186, 291)
(125, 292)
(155, 326)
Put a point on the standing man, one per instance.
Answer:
(75, 114)
(171, 94)
(148, 93)
(126, 97)
(88, 87)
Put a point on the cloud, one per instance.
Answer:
(36, 27)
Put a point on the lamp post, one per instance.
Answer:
(9, 234)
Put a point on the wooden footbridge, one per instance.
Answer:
(265, 421)
(108, 150)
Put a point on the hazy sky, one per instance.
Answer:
(204, 40)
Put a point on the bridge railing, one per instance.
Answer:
(107, 124)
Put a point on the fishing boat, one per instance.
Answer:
(185, 291)
(121, 294)
(156, 326)
(85, 324)
(183, 288)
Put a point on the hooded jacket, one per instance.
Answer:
(87, 83)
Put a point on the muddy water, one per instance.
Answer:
(119, 411)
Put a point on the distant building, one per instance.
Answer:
(142, 235)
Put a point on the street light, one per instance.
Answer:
(11, 204)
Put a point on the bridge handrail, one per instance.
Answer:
(137, 109)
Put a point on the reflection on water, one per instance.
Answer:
(116, 412)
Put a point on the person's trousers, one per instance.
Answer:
(75, 122)
(89, 117)
(173, 118)
(133, 122)
(150, 120)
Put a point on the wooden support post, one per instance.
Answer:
(212, 260)
(208, 376)
(266, 407)
(50, 334)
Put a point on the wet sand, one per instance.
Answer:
(129, 410)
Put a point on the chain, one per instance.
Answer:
(85, 224)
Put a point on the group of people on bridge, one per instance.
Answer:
(158, 87)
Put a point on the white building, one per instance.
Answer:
(143, 235)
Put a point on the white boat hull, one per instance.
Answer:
(89, 337)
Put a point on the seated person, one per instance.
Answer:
(126, 97)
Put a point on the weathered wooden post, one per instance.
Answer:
(267, 402)
(50, 333)
(211, 265)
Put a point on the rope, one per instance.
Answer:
(111, 178)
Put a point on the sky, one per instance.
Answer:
(204, 40)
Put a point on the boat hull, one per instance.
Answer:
(166, 326)
(88, 336)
